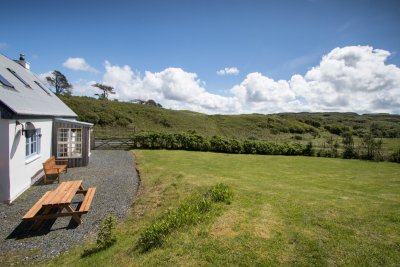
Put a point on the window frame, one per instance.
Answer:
(5, 82)
(42, 87)
(69, 145)
(19, 77)
(33, 144)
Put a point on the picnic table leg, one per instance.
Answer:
(38, 222)
(74, 216)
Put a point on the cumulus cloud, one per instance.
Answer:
(351, 79)
(228, 71)
(173, 87)
(78, 64)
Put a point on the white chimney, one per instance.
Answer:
(23, 62)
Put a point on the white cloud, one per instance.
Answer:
(78, 64)
(351, 79)
(228, 71)
(42, 77)
(172, 87)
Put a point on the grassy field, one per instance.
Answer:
(286, 211)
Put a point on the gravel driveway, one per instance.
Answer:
(114, 176)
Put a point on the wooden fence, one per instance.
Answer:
(114, 144)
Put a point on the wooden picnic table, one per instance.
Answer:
(61, 199)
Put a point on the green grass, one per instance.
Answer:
(286, 211)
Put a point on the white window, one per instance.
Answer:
(32, 146)
(69, 143)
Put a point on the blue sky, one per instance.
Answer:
(276, 39)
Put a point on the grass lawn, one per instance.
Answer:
(288, 211)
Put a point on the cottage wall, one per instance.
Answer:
(25, 172)
(4, 166)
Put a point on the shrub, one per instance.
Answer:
(395, 156)
(370, 148)
(309, 150)
(333, 129)
(348, 146)
(297, 137)
(123, 122)
(105, 119)
(106, 236)
(90, 117)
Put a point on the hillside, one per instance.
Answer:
(119, 116)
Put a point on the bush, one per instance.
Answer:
(123, 122)
(395, 156)
(90, 117)
(348, 146)
(333, 129)
(309, 150)
(297, 137)
(106, 236)
(105, 119)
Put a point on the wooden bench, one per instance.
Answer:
(52, 166)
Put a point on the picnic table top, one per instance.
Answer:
(63, 194)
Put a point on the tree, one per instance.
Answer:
(60, 83)
(106, 90)
(348, 146)
(371, 148)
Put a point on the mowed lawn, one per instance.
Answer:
(288, 211)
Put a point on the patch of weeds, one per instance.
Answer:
(193, 211)
(105, 236)
(221, 193)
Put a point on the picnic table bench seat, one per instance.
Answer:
(54, 166)
(87, 201)
(36, 207)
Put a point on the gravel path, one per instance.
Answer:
(114, 176)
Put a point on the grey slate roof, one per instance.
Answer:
(32, 100)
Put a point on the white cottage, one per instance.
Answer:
(34, 125)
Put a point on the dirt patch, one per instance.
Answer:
(266, 223)
(226, 224)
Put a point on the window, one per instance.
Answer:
(4, 82)
(18, 77)
(41, 86)
(32, 146)
(69, 143)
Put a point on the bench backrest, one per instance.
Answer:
(49, 164)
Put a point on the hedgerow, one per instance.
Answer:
(194, 142)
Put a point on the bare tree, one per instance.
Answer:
(106, 90)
